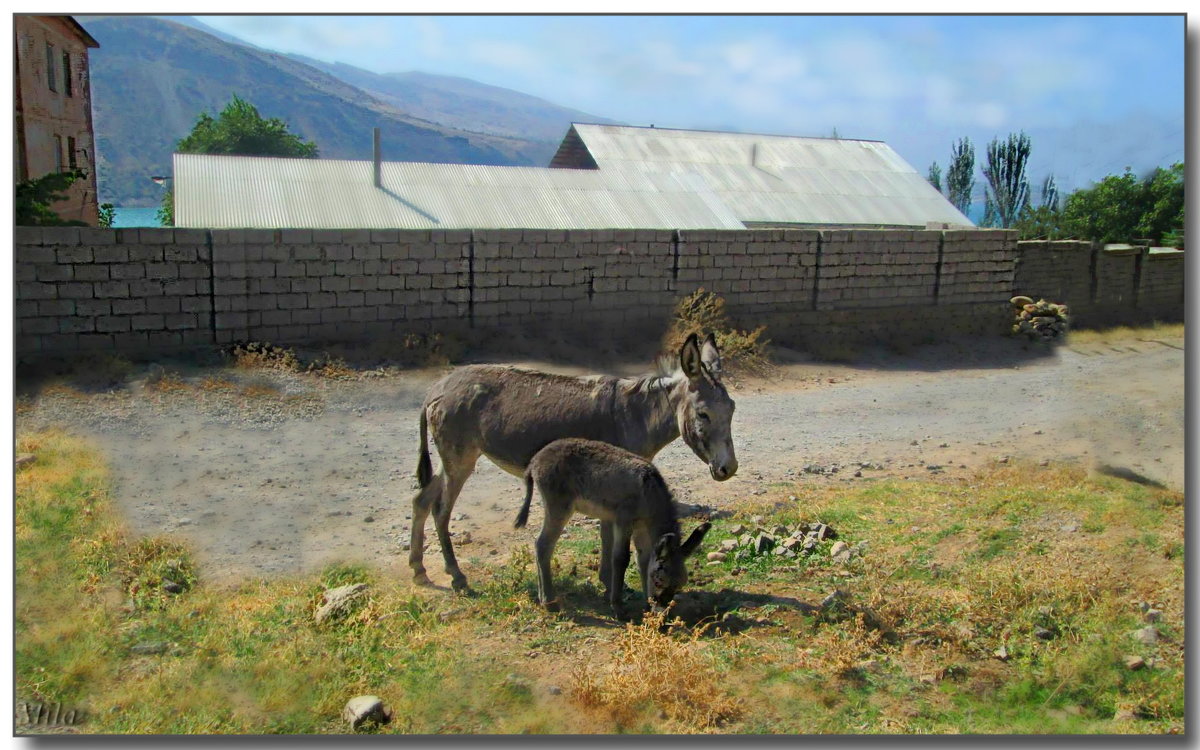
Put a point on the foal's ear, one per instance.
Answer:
(689, 357)
(663, 547)
(693, 541)
(710, 355)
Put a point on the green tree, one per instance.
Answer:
(1006, 195)
(240, 130)
(1164, 204)
(33, 199)
(106, 215)
(960, 177)
(1049, 193)
(935, 176)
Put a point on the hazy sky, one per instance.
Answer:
(1104, 88)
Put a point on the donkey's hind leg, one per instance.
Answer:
(552, 526)
(455, 471)
(422, 502)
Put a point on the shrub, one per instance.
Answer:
(702, 312)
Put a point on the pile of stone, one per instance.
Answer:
(782, 541)
(1039, 321)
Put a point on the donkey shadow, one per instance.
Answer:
(727, 611)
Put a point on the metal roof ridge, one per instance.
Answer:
(727, 132)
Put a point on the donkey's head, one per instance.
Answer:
(666, 572)
(705, 412)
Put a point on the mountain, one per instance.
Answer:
(151, 78)
(463, 103)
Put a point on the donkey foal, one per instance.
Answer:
(629, 496)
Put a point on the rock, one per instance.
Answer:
(791, 543)
(716, 557)
(1134, 662)
(364, 709)
(149, 648)
(554, 690)
(858, 473)
(834, 599)
(1125, 714)
(369, 519)
(1043, 634)
(1001, 653)
(763, 543)
(738, 530)
(728, 545)
(780, 530)
(1147, 636)
(463, 538)
(459, 517)
(338, 600)
(171, 587)
(24, 459)
(1153, 615)
(757, 520)
(840, 552)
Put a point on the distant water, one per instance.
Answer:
(135, 217)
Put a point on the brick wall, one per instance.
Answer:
(153, 290)
(1103, 285)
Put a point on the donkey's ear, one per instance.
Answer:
(663, 547)
(693, 541)
(710, 356)
(689, 358)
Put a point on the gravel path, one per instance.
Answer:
(267, 473)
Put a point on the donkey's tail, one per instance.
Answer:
(424, 467)
(523, 516)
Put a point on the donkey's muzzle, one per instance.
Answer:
(723, 471)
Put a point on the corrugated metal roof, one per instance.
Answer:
(780, 179)
(260, 192)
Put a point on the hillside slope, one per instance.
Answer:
(151, 79)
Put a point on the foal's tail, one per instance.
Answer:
(523, 516)
(424, 467)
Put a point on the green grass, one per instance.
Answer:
(951, 572)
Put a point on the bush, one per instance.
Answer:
(702, 312)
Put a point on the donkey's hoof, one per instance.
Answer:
(552, 606)
(421, 579)
(460, 586)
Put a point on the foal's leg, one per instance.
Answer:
(606, 540)
(620, 563)
(552, 527)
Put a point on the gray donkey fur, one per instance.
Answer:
(623, 490)
(509, 414)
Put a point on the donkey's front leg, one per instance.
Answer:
(620, 563)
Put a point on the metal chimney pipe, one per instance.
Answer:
(378, 157)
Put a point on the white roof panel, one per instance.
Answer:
(261, 192)
(780, 179)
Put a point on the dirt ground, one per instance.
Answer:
(268, 472)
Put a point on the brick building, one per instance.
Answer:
(52, 125)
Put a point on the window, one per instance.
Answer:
(71, 153)
(58, 160)
(67, 87)
(50, 68)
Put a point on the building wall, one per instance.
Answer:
(153, 290)
(41, 114)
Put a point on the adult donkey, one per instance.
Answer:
(509, 414)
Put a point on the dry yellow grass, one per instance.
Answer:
(654, 669)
